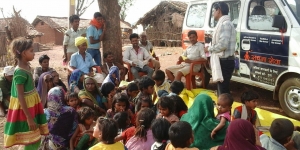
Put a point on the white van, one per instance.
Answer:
(268, 44)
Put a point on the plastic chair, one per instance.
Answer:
(190, 78)
(130, 76)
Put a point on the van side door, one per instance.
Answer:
(264, 50)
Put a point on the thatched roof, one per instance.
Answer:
(58, 23)
(30, 29)
(125, 25)
(3, 23)
(176, 6)
(61, 23)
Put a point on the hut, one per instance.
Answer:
(126, 29)
(11, 28)
(55, 27)
(163, 23)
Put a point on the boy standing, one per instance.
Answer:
(160, 83)
(95, 33)
(246, 111)
(193, 53)
(109, 59)
(181, 136)
(70, 36)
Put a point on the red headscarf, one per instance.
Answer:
(95, 23)
(240, 135)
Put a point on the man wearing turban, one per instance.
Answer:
(82, 60)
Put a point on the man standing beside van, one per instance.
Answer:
(224, 40)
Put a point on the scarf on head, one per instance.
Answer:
(42, 87)
(109, 78)
(80, 40)
(62, 118)
(60, 83)
(84, 94)
(202, 119)
(75, 76)
(240, 135)
(96, 24)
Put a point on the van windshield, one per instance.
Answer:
(196, 15)
(294, 5)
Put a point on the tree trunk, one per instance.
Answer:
(112, 41)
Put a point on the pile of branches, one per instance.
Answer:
(16, 26)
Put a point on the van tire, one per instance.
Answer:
(289, 97)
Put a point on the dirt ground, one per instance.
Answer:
(168, 57)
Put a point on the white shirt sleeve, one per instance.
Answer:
(126, 56)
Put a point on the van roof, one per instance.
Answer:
(196, 1)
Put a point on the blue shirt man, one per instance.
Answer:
(85, 64)
(95, 34)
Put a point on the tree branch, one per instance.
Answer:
(80, 8)
(77, 7)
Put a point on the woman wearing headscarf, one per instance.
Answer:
(62, 121)
(44, 85)
(91, 96)
(57, 81)
(202, 119)
(240, 135)
(113, 76)
(76, 81)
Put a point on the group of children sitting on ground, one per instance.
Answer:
(134, 121)
(139, 124)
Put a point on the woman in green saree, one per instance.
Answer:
(91, 96)
(202, 119)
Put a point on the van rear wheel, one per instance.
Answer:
(289, 97)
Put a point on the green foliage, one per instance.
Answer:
(125, 4)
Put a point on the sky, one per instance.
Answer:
(60, 8)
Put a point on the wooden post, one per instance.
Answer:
(71, 10)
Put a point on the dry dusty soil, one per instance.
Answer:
(168, 57)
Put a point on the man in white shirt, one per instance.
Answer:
(193, 53)
(223, 41)
(69, 37)
(137, 57)
(149, 47)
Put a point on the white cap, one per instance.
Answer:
(9, 70)
(99, 77)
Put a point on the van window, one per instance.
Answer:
(294, 5)
(234, 9)
(260, 17)
(196, 15)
